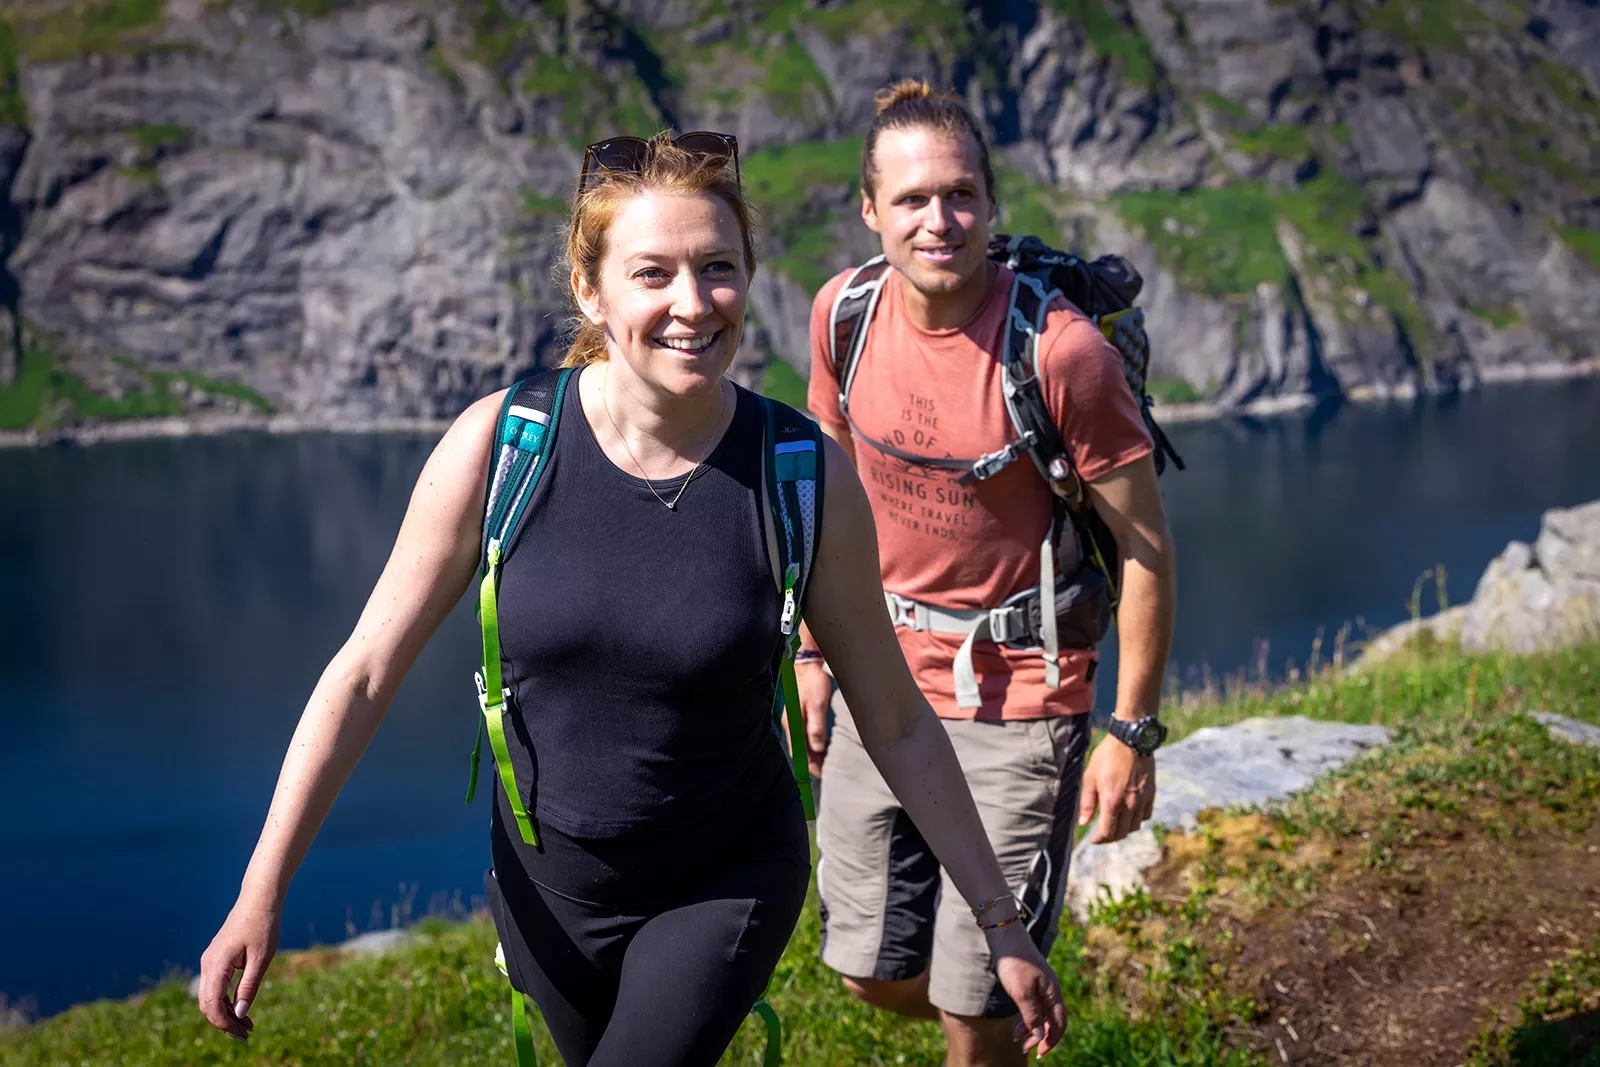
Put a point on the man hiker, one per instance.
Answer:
(926, 396)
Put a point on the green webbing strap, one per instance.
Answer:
(791, 696)
(491, 695)
(774, 1054)
(522, 1030)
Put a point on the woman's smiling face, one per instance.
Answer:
(672, 290)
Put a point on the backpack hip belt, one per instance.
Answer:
(1019, 622)
(1007, 625)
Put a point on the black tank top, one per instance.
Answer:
(640, 643)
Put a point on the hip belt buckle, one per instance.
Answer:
(902, 610)
(1000, 624)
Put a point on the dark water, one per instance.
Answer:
(166, 607)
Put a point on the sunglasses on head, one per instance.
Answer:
(628, 155)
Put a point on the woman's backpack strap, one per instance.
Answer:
(523, 435)
(794, 472)
(522, 438)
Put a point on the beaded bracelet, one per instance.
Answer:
(1022, 912)
(1004, 898)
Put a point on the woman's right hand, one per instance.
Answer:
(247, 941)
(816, 693)
(1026, 977)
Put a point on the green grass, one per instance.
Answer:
(84, 28)
(314, 9)
(937, 26)
(791, 81)
(1287, 141)
(541, 205)
(1499, 318)
(1428, 23)
(13, 109)
(1111, 37)
(1584, 242)
(45, 394)
(1543, 1034)
(780, 177)
(152, 138)
(783, 383)
(805, 253)
(441, 1000)
(1220, 242)
(1025, 205)
(781, 180)
(144, 175)
(1174, 391)
(1223, 241)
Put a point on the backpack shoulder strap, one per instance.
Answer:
(523, 435)
(1031, 294)
(794, 475)
(522, 438)
(849, 321)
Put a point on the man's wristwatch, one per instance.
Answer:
(1144, 735)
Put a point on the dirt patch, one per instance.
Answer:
(1394, 951)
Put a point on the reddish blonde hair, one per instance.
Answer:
(669, 169)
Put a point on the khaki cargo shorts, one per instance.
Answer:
(888, 910)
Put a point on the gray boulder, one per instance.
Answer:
(1579, 733)
(1248, 763)
(1531, 598)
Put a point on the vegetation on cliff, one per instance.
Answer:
(1408, 185)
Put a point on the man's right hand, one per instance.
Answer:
(816, 693)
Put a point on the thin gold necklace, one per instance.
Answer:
(671, 505)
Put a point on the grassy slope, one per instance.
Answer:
(443, 1002)
(46, 394)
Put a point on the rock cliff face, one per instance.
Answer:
(351, 209)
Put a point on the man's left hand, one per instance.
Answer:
(1122, 784)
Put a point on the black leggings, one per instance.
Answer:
(651, 950)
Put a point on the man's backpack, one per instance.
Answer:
(1105, 291)
(524, 433)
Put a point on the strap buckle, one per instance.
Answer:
(483, 693)
(992, 463)
(902, 610)
(1006, 624)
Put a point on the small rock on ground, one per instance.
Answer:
(1248, 763)
(1579, 733)
(372, 943)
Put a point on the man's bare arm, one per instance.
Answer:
(1129, 501)
(1120, 783)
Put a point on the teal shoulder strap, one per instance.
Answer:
(523, 435)
(794, 489)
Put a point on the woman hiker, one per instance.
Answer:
(639, 626)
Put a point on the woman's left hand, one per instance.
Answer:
(1030, 982)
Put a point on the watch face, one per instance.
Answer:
(1149, 735)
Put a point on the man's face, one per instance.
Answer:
(931, 207)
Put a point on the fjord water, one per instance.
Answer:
(166, 607)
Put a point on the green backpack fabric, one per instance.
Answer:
(529, 419)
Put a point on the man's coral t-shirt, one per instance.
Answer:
(938, 393)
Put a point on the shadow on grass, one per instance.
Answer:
(1571, 1041)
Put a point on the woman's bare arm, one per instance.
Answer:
(906, 741)
(434, 558)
